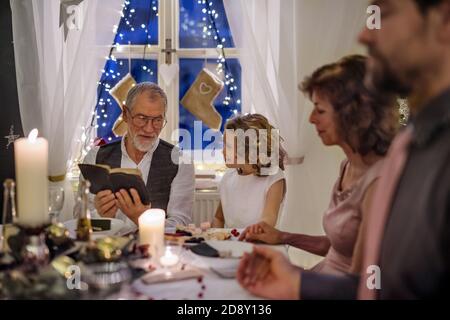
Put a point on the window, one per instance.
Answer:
(199, 33)
(193, 19)
(107, 108)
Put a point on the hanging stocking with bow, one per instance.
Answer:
(119, 93)
(200, 97)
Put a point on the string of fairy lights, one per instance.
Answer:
(111, 72)
(111, 68)
(210, 29)
(128, 25)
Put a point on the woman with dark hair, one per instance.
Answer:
(345, 114)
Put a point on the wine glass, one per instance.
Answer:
(55, 202)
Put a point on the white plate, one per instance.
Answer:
(235, 248)
(116, 226)
(170, 229)
(226, 265)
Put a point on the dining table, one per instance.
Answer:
(214, 278)
(193, 277)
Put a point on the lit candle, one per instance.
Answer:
(169, 259)
(31, 159)
(151, 230)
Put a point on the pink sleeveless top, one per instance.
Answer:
(342, 220)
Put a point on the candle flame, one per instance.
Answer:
(33, 135)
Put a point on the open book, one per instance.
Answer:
(102, 177)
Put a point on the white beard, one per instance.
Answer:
(142, 147)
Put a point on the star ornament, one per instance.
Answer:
(11, 137)
(67, 16)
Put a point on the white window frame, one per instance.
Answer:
(168, 28)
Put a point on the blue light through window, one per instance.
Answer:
(193, 20)
(139, 24)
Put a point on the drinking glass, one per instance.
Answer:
(55, 202)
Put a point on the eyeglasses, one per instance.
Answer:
(140, 120)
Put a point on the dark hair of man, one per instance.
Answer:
(425, 5)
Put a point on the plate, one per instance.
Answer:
(169, 229)
(231, 249)
(209, 234)
(116, 226)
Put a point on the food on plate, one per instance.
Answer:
(192, 234)
(99, 225)
(235, 233)
(205, 225)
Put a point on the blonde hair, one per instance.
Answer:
(257, 122)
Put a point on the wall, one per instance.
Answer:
(10, 115)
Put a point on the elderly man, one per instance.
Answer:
(406, 252)
(170, 186)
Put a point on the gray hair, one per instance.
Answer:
(153, 90)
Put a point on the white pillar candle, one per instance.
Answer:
(31, 160)
(151, 230)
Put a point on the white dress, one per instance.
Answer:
(243, 197)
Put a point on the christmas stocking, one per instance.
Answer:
(200, 97)
(119, 93)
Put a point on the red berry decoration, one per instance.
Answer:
(144, 250)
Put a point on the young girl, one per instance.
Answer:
(253, 189)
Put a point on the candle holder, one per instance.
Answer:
(105, 278)
(170, 259)
(32, 230)
(7, 261)
(29, 247)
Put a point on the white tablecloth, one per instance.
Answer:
(211, 287)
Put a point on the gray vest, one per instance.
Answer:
(160, 176)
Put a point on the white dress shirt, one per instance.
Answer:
(181, 201)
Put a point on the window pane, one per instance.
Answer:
(139, 24)
(194, 18)
(107, 108)
(189, 69)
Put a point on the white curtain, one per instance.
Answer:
(282, 41)
(57, 77)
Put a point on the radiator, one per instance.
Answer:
(205, 206)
